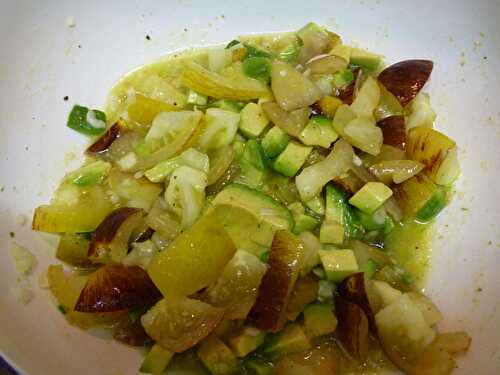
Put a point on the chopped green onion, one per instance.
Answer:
(86, 121)
(232, 43)
(255, 52)
(257, 67)
(343, 78)
(291, 53)
(63, 309)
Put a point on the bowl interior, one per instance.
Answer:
(44, 60)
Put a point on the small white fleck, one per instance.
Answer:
(21, 220)
(283, 73)
(24, 260)
(70, 21)
(138, 175)
(23, 295)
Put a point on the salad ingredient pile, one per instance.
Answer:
(260, 208)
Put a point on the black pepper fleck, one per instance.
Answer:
(148, 37)
(66, 98)
(12, 234)
(485, 57)
(185, 29)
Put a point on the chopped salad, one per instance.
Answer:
(240, 211)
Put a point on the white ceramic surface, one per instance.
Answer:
(42, 60)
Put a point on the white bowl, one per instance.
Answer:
(44, 60)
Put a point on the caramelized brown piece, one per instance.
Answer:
(305, 292)
(115, 288)
(269, 311)
(109, 242)
(406, 78)
(132, 333)
(103, 143)
(352, 328)
(394, 131)
(355, 289)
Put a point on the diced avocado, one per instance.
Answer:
(255, 366)
(319, 320)
(370, 267)
(217, 357)
(252, 165)
(275, 141)
(331, 232)
(342, 50)
(325, 290)
(257, 67)
(343, 78)
(196, 99)
(338, 264)
(249, 175)
(303, 222)
(365, 59)
(253, 120)
(316, 204)
(290, 340)
(291, 52)
(254, 154)
(262, 206)
(371, 196)
(291, 159)
(229, 105)
(247, 341)
(319, 132)
(156, 361)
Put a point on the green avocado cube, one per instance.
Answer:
(255, 366)
(331, 232)
(253, 120)
(275, 141)
(291, 159)
(291, 339)
(303, 222)
(319, 320)
(318, 132)
(365, 59)
(246, 342)
(338, 264)
(217, 357)
(156, 361)
(371, 196)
